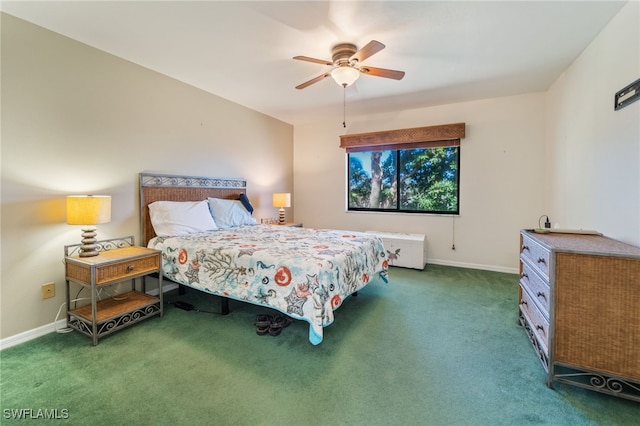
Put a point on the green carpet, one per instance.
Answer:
(434, 347)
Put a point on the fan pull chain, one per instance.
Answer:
(344, 106)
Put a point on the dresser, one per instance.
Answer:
(580, 306)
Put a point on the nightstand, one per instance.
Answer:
(291, 224)
(119, 261)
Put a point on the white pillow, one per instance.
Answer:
(230, 213)
(180, 217)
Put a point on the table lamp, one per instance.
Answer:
(88, 210)
(281, 200)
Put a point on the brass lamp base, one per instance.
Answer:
(89, 248)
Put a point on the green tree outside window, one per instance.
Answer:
(421, 180)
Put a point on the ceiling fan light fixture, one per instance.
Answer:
(345, 75)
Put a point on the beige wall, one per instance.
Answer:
(594, 151)
(76, 120)
(500, 179)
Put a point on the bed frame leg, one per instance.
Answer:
(224, 306)
(182, 290)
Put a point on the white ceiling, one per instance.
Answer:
(451, 51)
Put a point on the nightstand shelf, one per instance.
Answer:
(115, 306)
(119, 260)
(114, 313)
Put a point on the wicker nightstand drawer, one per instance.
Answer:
(127, 269)
(113, 266)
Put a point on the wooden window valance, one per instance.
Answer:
(418, 137)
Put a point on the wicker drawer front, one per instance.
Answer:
(536, 255)
(130, 268)
(536, 287)
(539, 324)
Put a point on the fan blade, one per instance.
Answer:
(370, 49)
(381, 72)
(313, 80)
(314, 60)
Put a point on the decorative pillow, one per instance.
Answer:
(229, 213)
(180, 217)
(245, 202)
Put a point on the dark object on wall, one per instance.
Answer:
(628, 95)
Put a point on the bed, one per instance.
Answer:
(304, 273)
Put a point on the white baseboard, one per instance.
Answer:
(493, 268)
(32, 334)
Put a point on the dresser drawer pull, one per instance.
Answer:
(541, 260)
(541, 294)
(524, 275)
(524, 302)
(539, 327)
(130, 268)
(525, 248)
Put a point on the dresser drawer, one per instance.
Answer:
(537, 321)
(536, 255)
(537, 287)
(127, 269)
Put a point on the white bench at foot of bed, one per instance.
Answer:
(404, 250)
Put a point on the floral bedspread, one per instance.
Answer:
(305, 273)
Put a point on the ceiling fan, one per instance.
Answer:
(346, 59)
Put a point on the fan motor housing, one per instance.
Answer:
(342, 52)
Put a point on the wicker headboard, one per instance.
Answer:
(163, 187)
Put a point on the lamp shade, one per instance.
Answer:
(281, 200)
(345, 75)
(88, 209)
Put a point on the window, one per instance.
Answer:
(413, 170)
(415, 180)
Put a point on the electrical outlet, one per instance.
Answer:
(48, 290)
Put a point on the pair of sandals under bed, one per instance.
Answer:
(272, 325)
